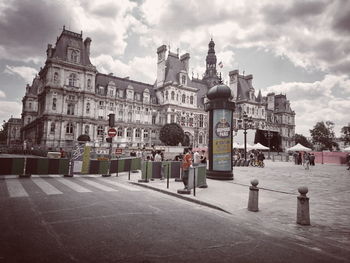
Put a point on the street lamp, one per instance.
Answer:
(268, 134)
(245, 123)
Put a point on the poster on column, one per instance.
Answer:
(222, 122)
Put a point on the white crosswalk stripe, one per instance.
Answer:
(97, 185)
(15, 188)
(74, 186)
(46, 187)
(130, 188)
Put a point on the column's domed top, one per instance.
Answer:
(219, 91)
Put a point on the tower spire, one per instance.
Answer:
(211, 76)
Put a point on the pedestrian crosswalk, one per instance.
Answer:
(57, 185)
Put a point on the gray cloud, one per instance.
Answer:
(27, 26)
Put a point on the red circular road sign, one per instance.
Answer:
(112, 132)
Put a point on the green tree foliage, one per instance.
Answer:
(299, 138)
(345, 131)
(3, 133)
(323, 135)
(171, 134)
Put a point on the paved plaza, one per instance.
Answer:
(329, 202)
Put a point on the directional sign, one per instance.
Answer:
(118, 151)
(112, 132)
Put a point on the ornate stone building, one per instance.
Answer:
(69, 97)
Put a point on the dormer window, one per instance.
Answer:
(183, 80)
(74, 56)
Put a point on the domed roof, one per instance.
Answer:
(219, 91)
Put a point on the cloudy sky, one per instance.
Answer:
(299, 48)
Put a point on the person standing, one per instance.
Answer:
(158, 157)
(307, 161)
(186, 164)
(312, 159)
(203, 157)
(196, 158)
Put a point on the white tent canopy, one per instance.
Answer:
(347, 149)
(298, 147)
(259, 146)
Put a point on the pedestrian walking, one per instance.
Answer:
(186, 164)
(348, 161)
(307, 160)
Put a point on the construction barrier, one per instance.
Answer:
(46, 166)
(201, 177)
(125, 165)
(11, 166)
(153, 170)
(173, 167)
(98, 167)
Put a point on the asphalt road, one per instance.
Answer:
(106, 220)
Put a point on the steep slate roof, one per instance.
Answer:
(173, 67)
(66, 39)
(123, 83)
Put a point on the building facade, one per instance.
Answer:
(69, 97)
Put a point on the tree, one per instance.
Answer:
(3, 132)
(299, 138)
(345, 131)
(171, 134)
(323, 134)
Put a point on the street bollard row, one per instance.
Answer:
(303, 210)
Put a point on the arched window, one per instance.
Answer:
(166, 95)
(52, 127)
(100, 130)
(129, 133)
(28, 120)
(172, 95)
(120, 115)
(191, 100)
(55, 77)
(200, 139)
(69, 128)
(183, 80)
(120, 132)
(183, 98)
(30, 105)
(54, 103)
(89, 83)
(70, 109)
(137, 133)
(88, 107)
(72, 80)
(87, 129)
(129, 116)
(177, 97)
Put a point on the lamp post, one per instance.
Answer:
(245, 123)
(268, 134)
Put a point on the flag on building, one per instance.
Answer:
(220, 64)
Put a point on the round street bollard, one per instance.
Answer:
(253, 202)
(303, 211)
